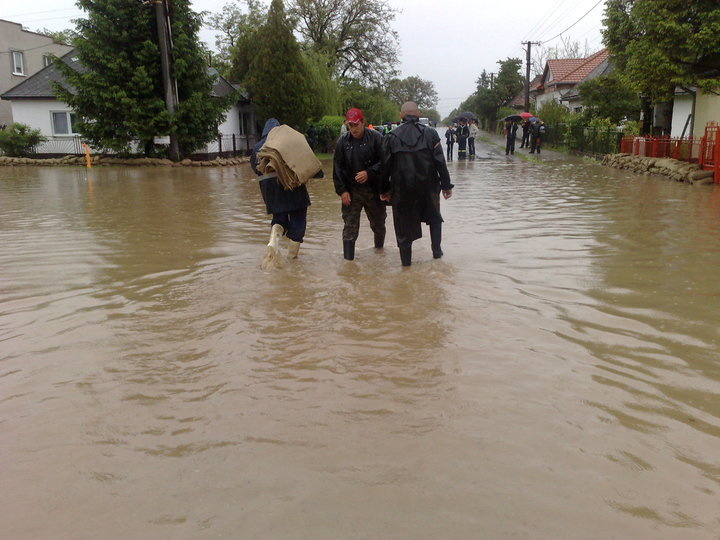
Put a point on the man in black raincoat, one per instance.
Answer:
(415, 173)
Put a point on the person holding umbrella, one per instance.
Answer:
(537, 131)
(525, 116)
(463, 134)
(510, 136)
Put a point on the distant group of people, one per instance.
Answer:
(463, 132)
(405, 169)
(533, 132)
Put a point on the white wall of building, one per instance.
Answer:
(232, 122)
(682, 107)
(707, 109)
(36, 113)
(546, 97)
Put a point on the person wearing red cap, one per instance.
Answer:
(357, 169)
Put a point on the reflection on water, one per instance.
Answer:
(554, 375)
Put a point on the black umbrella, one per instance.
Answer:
(467, 115)
(513, 118)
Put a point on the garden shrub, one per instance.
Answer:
(19, 140)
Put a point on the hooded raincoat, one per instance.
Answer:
(277, 199)
(416, 171)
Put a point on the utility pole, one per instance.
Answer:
(169, 83)
(527, 72)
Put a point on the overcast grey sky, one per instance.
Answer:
(448, 42)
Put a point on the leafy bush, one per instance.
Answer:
(574, 128)
(19, 140)
(601, 124)
(553, 112)
(631, 127)
(328, 130)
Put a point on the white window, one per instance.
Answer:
(63, 123)
(17, 60)
(47, 60)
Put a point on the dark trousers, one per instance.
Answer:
(471, 146)
(293, 222)
(525, 139)
(462, 152)
(450, 151)
(376, 212)
(535, 144)
(510, 145)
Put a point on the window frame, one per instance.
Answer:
(18, 68)
(70, 118)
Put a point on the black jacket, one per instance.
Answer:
(414, 160)
(370, 157)
(414, 163)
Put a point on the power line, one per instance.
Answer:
(543, 20)
(39, 12)
(573, 24)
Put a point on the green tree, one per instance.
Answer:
(325, 99)
(355, 35)
(609, 97)
(278, 77)
(116, 87)
(660, 44)
(65, 37)
(509, 81)
(236, 30)
(415, 89)
(493, 93)
(372, 101)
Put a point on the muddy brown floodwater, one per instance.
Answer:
(555, 375)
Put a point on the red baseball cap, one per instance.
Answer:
(354, 115)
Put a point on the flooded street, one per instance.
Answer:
(555, 375)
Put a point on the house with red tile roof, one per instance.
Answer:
(561, 77)
(518, 102)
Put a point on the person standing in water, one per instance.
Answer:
(287, 206)
(415, 173)
(357, 163)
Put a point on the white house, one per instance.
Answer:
(22, 54)
(33, 103)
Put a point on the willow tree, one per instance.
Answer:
(116, 88)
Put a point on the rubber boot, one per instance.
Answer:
(435, 239)
(273, 258)
(348, 250)
(379, 240)
(293, 248)
(406, 255)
